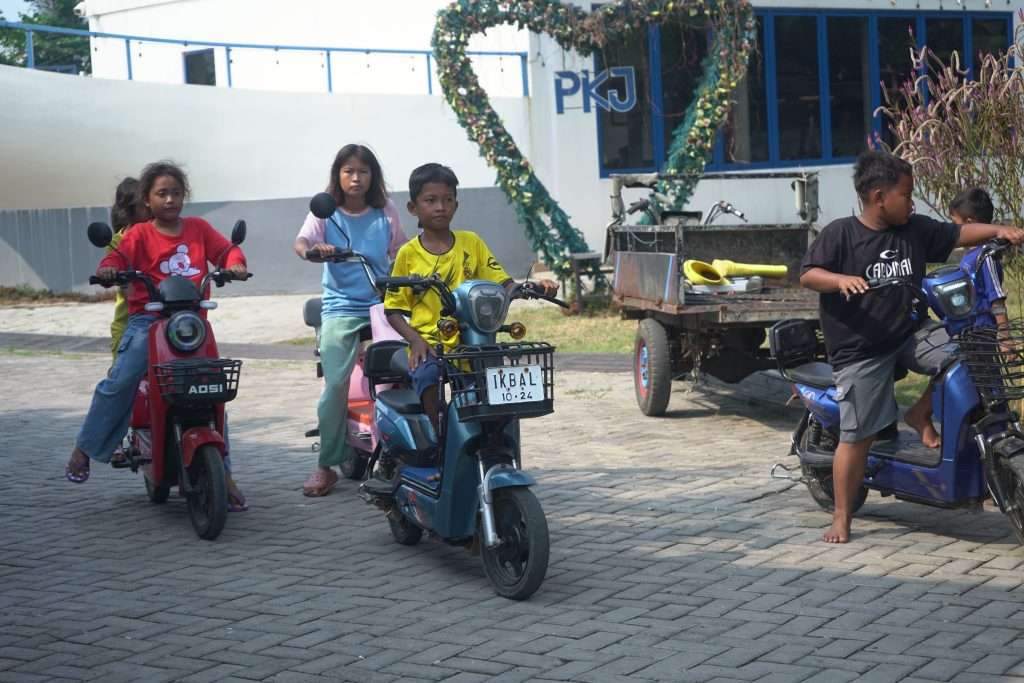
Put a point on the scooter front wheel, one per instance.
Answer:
(208, 504)
(1012, 474)
(517, 565)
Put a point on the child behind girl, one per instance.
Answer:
(975, 206)
(127, 210)
(366, 222)
(165, 245)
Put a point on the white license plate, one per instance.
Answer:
(518, 384)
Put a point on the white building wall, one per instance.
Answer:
(385, 24)
(68, 140)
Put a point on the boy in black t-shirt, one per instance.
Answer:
(868, 333)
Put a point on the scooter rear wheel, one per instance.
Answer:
(404, 531)
(157, 494)
(516, 567)
(819, 484)
(354, 467)
(208, 504)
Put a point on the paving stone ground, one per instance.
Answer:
(674, 558)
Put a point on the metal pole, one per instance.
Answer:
(30, 50)
(128, 55)
(227, 54)
(430, 77)
(330, 80)
(526, 75)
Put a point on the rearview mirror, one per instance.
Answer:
(100, 234)
(238, 232)
(323, 205)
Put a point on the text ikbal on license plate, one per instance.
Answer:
(519, 384)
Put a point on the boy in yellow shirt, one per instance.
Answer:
(455, 256)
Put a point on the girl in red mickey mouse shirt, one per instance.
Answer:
(168, 245)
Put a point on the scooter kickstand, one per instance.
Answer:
(789, 473)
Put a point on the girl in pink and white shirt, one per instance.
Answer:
(366, 222)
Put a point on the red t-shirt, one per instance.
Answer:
(160, 256)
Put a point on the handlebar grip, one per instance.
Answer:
(312, 255)
(93, 280)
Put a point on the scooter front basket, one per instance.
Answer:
(994, 357)
(198, 381)
(497, 380)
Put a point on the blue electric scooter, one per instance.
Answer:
(982, 452)
(465, 485)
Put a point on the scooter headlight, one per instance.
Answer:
(488, 304)
(186, 331)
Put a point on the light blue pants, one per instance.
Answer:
(339, 347)
(110, 413)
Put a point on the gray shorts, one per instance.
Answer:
(864, 389)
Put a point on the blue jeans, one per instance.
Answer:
(110, 413)
(426, 375)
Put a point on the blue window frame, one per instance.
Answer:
(835, 98)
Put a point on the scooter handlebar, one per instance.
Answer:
(531, 290)
(338, 256)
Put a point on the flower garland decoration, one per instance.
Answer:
(547, 225)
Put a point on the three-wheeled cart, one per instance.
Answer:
(683, 331)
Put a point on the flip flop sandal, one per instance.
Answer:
(77, 476)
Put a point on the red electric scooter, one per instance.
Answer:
(177, 425)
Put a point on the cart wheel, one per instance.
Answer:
(652, 368)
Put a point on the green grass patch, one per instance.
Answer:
(600, 331)
(23, 294)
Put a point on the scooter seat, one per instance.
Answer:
(815, 374)
(403, 401)
(311, 312)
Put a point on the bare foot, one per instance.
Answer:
(922, 424)
(839, 532)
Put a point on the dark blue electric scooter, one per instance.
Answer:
(465, 485)
(982, 452)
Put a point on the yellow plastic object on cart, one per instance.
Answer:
(700, 273)
(726, 268)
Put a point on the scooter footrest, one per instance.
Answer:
(312, 433)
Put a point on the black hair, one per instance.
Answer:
(877, 170)
(974, 204)
(126, 201)
(377, 194)
(431, 173)
(147, 179)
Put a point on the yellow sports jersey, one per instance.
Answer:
(468, 259)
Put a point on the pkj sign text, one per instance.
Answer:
(618, 82)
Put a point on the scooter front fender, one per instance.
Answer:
(196, 437)
(506, 478)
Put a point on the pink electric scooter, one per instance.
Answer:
(361, 432)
